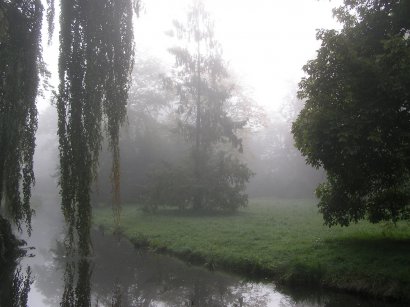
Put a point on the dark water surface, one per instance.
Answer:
(119, 275)
(144, 278)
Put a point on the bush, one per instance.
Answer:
(221, 184)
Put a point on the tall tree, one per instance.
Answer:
(201, 82)
(356, 120)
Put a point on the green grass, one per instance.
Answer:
(280, 240)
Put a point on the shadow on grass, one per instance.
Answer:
(387, 246)
(379, 266)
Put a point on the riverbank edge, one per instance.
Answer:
(296, 275)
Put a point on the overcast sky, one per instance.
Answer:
(266, 42)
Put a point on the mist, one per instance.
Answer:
(204, 153)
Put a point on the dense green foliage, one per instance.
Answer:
(211, 177)
(356, 120)
(96, 56)
(280, 240)
(20, 63)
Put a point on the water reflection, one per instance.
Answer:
(15, 286)
(77, 284)
(118, 275)
(15, 282)
(123, 277)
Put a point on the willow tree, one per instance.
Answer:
(96, 56)
(20, 63)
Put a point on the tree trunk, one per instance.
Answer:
(197, 159)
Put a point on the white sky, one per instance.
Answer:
(266, 42)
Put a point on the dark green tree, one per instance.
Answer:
(356, 120)
(205, 118)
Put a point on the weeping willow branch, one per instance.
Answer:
(20, 63)
(50, 19)
(96, 57)
(77, 283)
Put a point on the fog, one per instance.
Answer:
(265, 44)
(148, 138)
(168, 129)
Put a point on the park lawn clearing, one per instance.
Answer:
(278, 240)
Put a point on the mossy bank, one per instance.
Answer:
(283, 241)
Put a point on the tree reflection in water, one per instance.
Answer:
(77, 283)
(14, 283)
(118, 275)
(124, 276)
(15, 287)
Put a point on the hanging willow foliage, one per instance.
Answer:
(77, 284)
(96, 56)
(20, 63)
(50, 19)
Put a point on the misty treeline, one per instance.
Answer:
(154, 152)
(194, 136)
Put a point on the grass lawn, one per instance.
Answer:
(281, 240)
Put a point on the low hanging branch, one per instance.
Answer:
(20, 63)
(96, 57)
(50, 19)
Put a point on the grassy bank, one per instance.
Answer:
(279, 240)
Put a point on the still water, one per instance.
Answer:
(119, 275)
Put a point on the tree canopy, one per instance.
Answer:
(356, 120)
